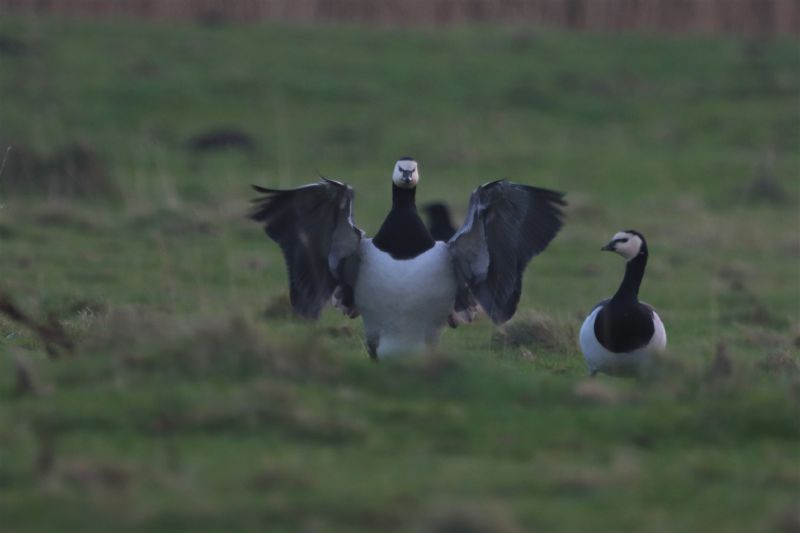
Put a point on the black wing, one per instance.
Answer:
(314, 227)
(506, 226)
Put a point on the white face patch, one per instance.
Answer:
(625, 244)
(406, 174)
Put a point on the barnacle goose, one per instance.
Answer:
(439, 221)
(404, 284)
(621, 334)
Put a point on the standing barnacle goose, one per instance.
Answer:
(621, 334)
(405, 285)
(439, 222)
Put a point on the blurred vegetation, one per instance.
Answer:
(749, 17)
(193, 400)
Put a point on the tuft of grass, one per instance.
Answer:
(90, 474)
(766, 187)
(26, 380)
(275, 476)
(469, 518)
(721, 366)
(538, 331)
(598, 392)
(76, 170)
(739, 304)
(430, 367)
(623, 468)
(143, 340)
(788, 520)
(279, 307)
(780, 364)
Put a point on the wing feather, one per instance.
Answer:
(314, 228)
(507, 225)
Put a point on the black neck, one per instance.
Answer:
(403, 235)
(634, 272)
(404, 198)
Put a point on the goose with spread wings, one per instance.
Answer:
(405, 285)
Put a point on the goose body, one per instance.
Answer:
(624, 363)
(405, 285)
(404, 303)
(621, 334)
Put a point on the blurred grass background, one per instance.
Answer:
(193, 400)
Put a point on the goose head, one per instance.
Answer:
(406, 173)
(628, 244)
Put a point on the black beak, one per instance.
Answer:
(608, 247)
(406, 178)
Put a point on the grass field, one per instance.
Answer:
(194, 401)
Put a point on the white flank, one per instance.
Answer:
(404, 303)
(599, 359)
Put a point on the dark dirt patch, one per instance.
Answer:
(766, 190)
(11, 46)
(49, 331)
(788, 521)
(7, 232)
(221, 139)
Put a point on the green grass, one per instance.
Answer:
(185, 408)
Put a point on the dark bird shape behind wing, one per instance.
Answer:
(314, 227)
(439, 221)
(507, 224)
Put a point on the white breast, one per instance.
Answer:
(404, 303)
(599, 359)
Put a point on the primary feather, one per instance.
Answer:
(313, 226)
(507, 225)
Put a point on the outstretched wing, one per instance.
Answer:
(314, 227)
(507, 224)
